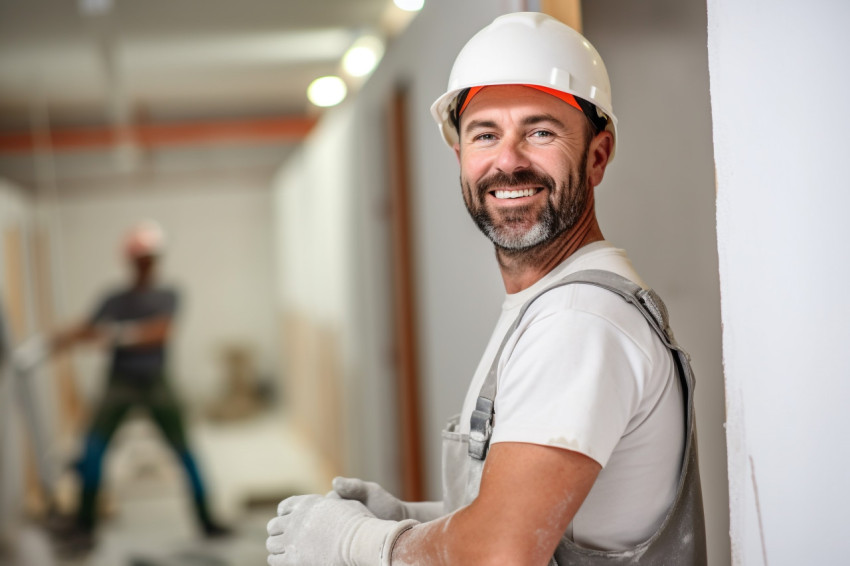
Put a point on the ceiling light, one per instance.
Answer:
(410, 5)
(94, 7)
(327, 91)
(362, 58)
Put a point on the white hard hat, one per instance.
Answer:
(527, 48)
(146, 238)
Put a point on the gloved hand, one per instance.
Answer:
(314, 530)
(26, 357)
(383, 504)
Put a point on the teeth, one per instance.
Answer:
(515, 194)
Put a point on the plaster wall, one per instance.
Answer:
(782, 234)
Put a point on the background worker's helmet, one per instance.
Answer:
(527, 48)
(144, 239)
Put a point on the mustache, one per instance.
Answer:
(521, 178)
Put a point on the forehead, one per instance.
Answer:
(518, 98)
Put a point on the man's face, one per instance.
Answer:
(523, 161)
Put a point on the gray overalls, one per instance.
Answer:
(680, 540)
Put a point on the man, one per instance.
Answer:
(575, 443)
(135, 323)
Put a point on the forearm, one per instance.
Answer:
(135, 333)
(427, 544)
(146, 333)
(81, 333)
(528, 496)
(468, 536)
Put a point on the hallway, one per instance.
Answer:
(249, 467)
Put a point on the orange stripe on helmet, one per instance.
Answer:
(472, 92)
(566, 97)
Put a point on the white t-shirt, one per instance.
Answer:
(585, 371)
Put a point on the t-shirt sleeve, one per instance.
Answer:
(571, 381)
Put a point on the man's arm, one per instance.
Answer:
(83, 332)
(150, 332)
(143, 333)
(529, 494)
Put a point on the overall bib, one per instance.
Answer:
(680, 540)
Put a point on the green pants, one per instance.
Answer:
(123, 393)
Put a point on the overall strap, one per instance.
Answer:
(647, 302)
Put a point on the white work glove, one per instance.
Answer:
(383, 504)
(311, 530)
(26, 357)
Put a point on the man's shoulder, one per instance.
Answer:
(584, 297)
(576, 300)
(587, 305)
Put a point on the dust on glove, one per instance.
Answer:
(312, 530)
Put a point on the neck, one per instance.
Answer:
(520, 270)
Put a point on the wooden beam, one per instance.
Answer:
(405, 321)
(568, 11)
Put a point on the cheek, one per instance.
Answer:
(474, 166)
(562, 166)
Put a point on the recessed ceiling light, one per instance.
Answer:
(327, 91)
(410, 5)
(362, 58)
(94, 7)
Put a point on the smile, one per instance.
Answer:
(517, 193)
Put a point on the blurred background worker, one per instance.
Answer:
(135, 322)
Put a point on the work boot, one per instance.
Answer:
(74, 542)
(214, 530)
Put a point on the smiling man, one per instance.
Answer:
(576, 442)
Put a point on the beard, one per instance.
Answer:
(509, 230)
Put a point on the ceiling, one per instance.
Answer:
(95, 75)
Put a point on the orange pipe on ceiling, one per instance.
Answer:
(265, 130)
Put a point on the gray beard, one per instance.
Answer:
(555, 219)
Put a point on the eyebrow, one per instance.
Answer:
(475, 124)
(538, 118)
(527, 121)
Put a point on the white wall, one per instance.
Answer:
(219, 256)
(319, 261)
(778, 75)
(657, 200)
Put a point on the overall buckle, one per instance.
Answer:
(480, 428)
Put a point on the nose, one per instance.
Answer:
(512, 156)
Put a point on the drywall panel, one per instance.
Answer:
(782, 234)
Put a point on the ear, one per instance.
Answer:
(598, 154)
(456, 147)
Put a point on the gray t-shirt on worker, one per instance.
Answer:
(137, 305)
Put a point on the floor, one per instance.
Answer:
(248, 467)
